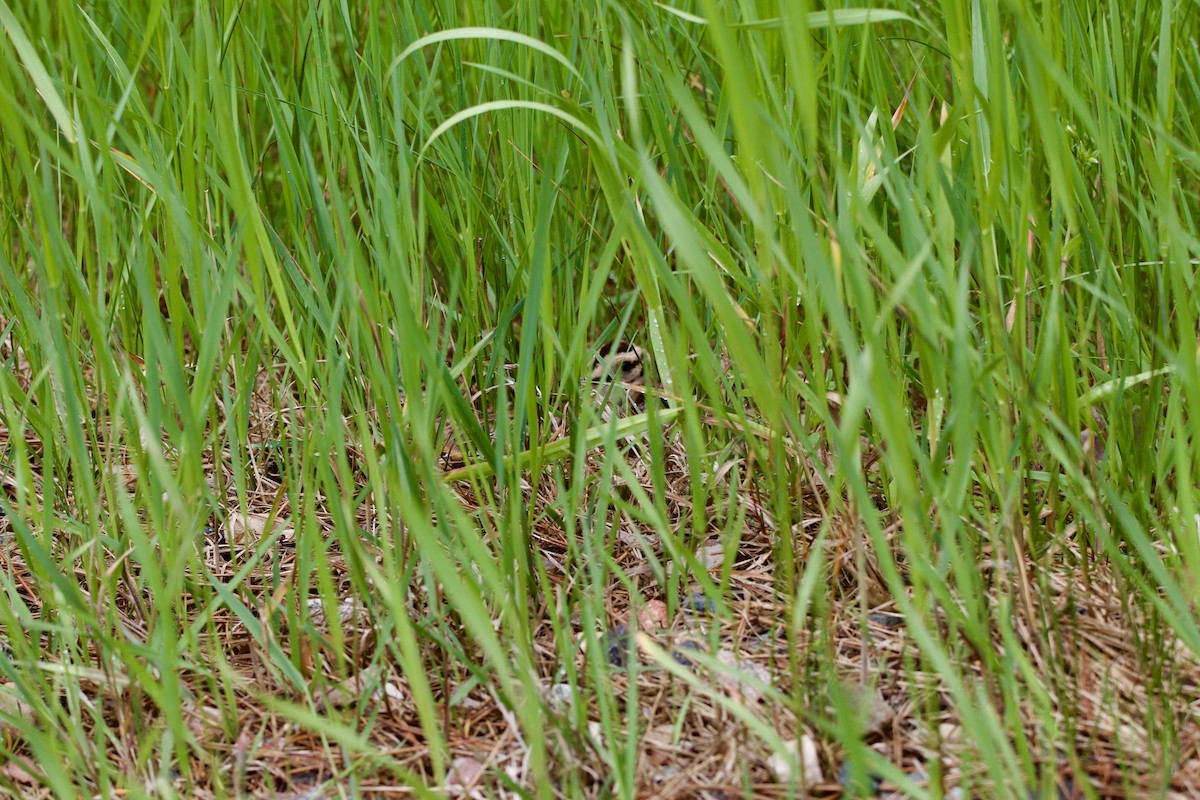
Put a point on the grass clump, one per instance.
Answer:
(624, 400)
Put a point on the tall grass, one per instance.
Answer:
(914, 292)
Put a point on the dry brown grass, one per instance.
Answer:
(1084, 644)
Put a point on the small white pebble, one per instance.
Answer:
(560, 696)
(804, 752)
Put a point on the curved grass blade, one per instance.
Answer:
(487, 34)
(505, 105)
(833, 18)
(37, 71)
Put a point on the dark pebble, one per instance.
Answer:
(680, 658)
(700, 604)
(853, 784)
(216, 535)
(616, 645)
